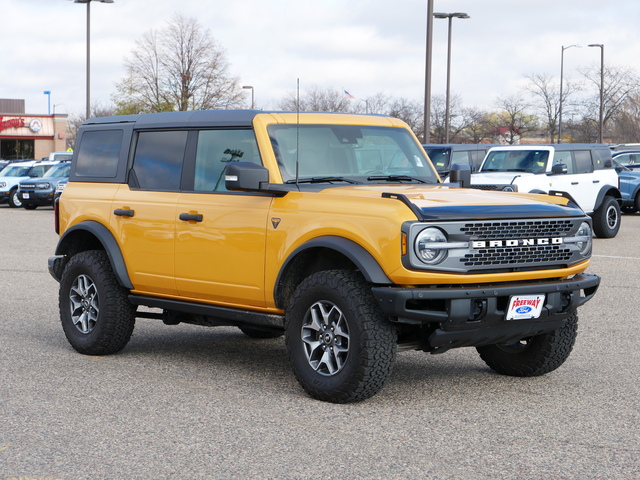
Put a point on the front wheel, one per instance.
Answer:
(532, 356)
(606, 218)
(96, 314)
(341, 345)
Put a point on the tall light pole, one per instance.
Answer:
(601, 47)
(426, 138)
(247, 87)
(88, 2)
(561, 83)
(450, 16)
(48, 94)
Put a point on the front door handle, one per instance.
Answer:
(191, 217)
(123, 213)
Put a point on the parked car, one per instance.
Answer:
(584, 171)
(14, 173)
(630, 158)
(62, 184)
(40, 191)
(629, 180)
(444, 155)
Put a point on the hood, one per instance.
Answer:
(497, 178)
(449, 203)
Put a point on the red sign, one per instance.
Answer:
(11, 123)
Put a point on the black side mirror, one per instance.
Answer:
(460, 173)
(559, 169)
(246, 176)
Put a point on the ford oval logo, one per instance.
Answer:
(523, 309)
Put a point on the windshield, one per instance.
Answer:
(352, 153)
(14, 171)
(533, 161)
(61, 170)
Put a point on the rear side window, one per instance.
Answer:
(157, 163)
(98, 154)
(584, 164)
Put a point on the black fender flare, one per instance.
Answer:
(357, 254)
(109, 244)
(607, 190)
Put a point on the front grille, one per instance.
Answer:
(520, 254)
(485, 187)
(27, 187)
(517, 229)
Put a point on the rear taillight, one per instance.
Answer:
(56, 215)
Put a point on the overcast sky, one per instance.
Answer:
(363, 46)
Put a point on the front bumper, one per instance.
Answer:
(36, 198)
(476, 315)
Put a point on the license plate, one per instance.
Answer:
(25, 195)
(525, 306)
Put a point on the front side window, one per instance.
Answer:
(216, 149)
(157, 163)
(351, 152)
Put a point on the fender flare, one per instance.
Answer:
(606, 190)
(360, 257)
(109, 243)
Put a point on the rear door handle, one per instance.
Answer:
(123, 213)
(191, 217)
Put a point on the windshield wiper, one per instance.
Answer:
(397, 178)
(321, 180)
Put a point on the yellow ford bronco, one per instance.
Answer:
(332, 229)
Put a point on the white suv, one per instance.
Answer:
(14, 173)
(584, 171)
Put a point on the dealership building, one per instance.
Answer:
(29, 136)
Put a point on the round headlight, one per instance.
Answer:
(43, 185)
(584, 237)
(427, 248)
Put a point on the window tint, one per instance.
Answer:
(565, 158)
(583, 161)
(217, 148)
(99, 153)
(158, 160)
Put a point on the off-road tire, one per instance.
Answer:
(14, 201)
(96, 314)
(359, 340)
(533, 356)
(606, 218)
(260, 333)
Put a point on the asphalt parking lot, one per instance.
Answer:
(188, 402)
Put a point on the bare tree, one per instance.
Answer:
(513, 122)
(478, 126)
(619, 84)
(74, 121)
(178, 68)
(547, 94)
(317, 99)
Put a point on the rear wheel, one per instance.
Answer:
(606, 218)
(96, 314)
(341, 345)
(30, 206)
(532, 356)
(14, 201)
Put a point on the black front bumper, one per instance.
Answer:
(476, 315)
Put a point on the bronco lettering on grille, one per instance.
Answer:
(516, 242)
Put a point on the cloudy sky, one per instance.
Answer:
(363, 46)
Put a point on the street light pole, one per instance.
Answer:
(426, 138)
(88, 2)
(449, 16)
(252, 98)
(48, 94)
(561, 82)
(601, 129)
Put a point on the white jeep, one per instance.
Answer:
(584, 171)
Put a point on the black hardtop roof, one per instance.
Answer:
(558, 146)
(205, 118)
(459, 146)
